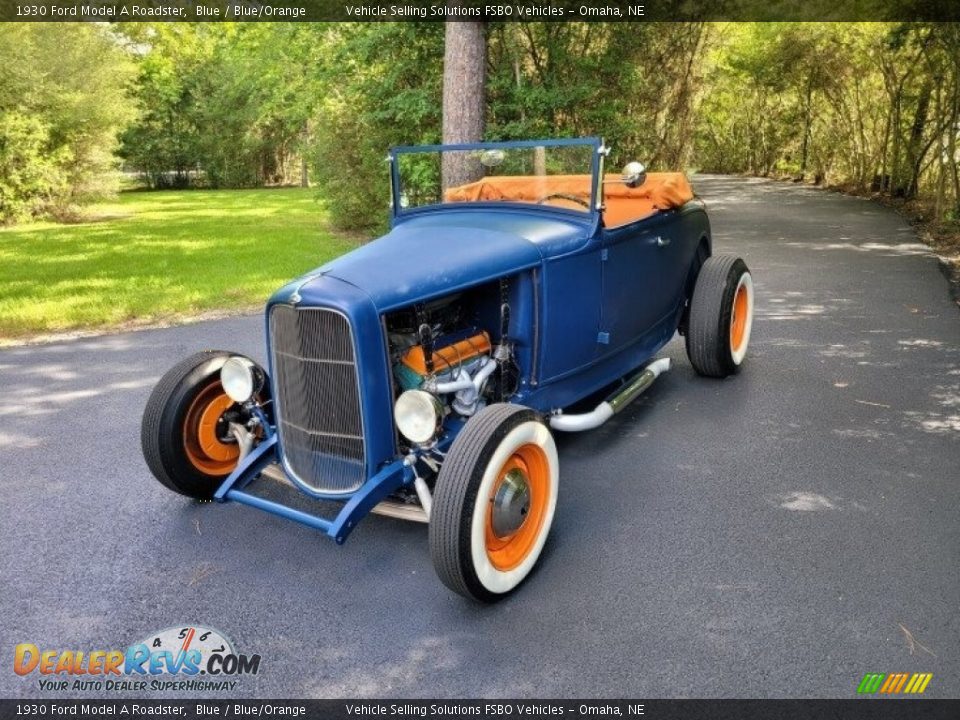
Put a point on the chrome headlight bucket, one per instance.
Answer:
(241, 378)
(418, 415)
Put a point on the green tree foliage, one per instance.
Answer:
(865, 104)
(162, 145)
(636, 84)
(381, 87)
(63, 101)
(29, 177)
(224, 105)
(633, 84)
(870, 105)
(237, 106)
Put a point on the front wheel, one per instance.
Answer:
(185, 434)
(494, 502)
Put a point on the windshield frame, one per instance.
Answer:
(599, 152)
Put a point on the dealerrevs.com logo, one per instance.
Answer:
(172, 659)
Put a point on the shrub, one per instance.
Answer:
(30, 176)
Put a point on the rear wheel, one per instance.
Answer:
(494, 502)
(185, 434)
(703, 252)
(721, 316)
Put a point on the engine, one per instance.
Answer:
(448, 359)
(446, 349)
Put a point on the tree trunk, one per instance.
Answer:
(895, 150)
(941, 166)
(885, 153)
(952, 144)
(464, 101)
(807, 120)
(540, 161)
(304, 165)
(914, 146)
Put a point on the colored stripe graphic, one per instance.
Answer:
(903, 679)
(889, 682)
(871, 682)
(894, 683)
(918, 683)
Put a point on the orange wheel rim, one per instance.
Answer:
(738, 321)
(204, 448)
(526, 468)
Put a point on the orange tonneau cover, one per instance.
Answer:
(661, 191)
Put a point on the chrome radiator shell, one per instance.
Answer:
(316, 396)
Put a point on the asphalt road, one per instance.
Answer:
(777, 534)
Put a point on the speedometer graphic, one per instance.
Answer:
(187, 637)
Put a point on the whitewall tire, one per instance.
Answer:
(494, 502)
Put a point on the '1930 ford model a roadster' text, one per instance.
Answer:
(421, 375)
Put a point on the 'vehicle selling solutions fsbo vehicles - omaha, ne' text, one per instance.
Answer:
(423, 374)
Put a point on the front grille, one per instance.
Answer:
(317, 400)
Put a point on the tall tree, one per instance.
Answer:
(63, 100)
(464, 97)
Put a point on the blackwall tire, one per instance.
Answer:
(180, 436)
(494, 502)
(721, 317)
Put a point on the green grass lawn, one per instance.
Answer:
(158, 255)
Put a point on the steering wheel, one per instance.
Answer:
(564, 196)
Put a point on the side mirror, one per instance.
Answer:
(634, 174)
(492, 158)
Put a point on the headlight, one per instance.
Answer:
(418, 415)
(241, 378)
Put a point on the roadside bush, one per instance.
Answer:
(63, 100)
(392, 98)
(30, 177)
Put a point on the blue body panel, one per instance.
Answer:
(588, 306)
(419, 259)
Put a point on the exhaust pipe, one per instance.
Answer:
(613, 404)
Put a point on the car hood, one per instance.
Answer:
(434, 255)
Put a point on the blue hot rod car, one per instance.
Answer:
(421, 375)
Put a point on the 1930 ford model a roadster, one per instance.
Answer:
(421, 374)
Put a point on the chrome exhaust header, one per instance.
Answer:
(622, 397)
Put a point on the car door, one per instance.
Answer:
(641, 267)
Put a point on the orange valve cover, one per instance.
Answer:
(448, 356)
